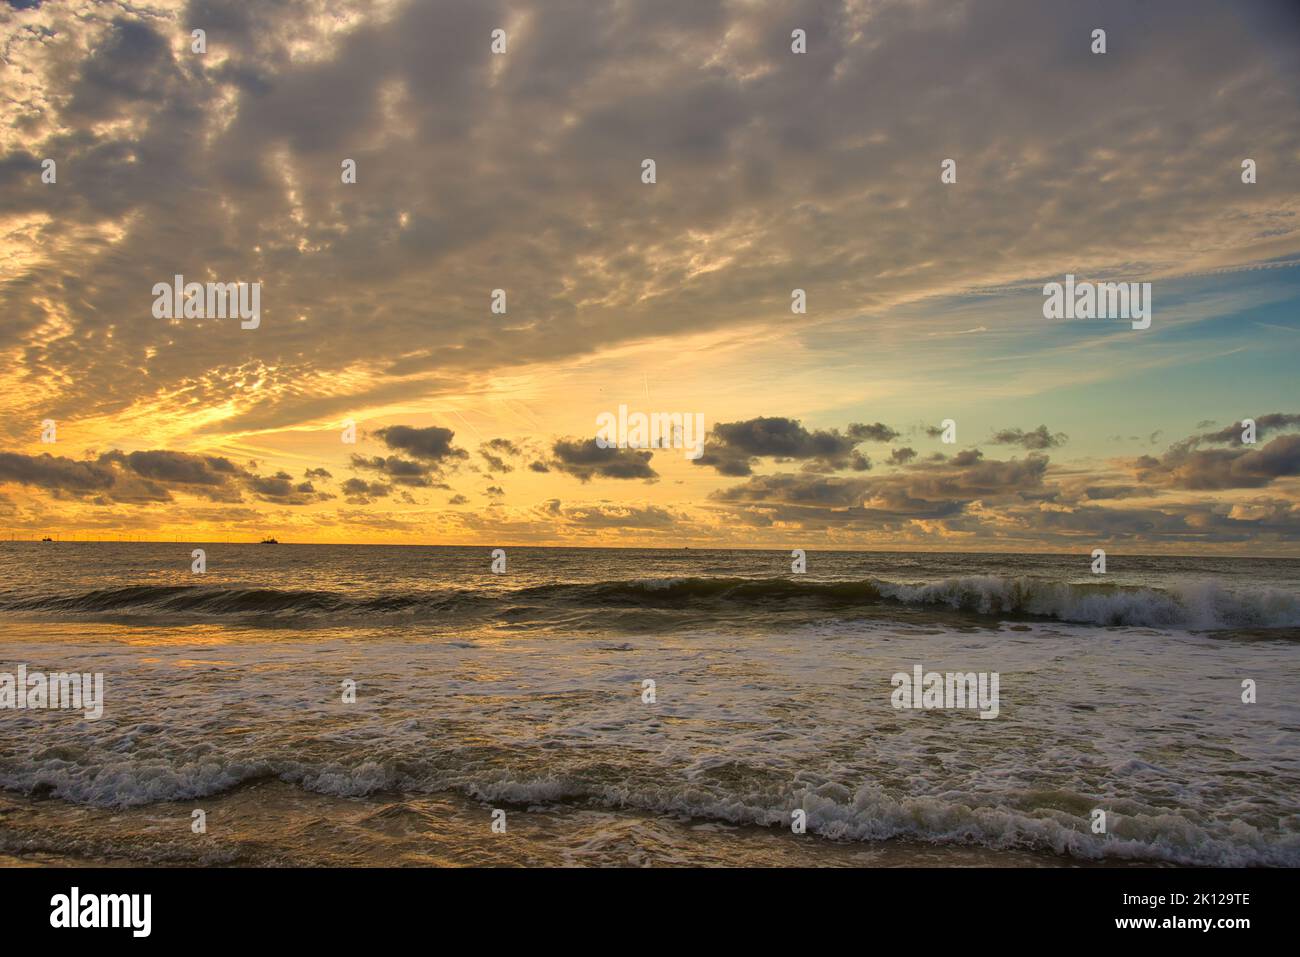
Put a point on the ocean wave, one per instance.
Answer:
(834, 812)
(1201, 605)
(1204, 605)
(220, 601)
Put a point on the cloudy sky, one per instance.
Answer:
(774, 171)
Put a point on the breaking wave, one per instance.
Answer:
(1203, 605)
(1032, 821)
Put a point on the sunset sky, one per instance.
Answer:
(775, 170)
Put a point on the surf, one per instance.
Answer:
(1198, 605)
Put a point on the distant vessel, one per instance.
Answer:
(268, 541)
(47, 539)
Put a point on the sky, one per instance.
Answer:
(522, 169)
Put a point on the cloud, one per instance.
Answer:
(1185, 467)
(177, 467)
(585, 460)
(493, 451)
(1038, 439)
(55, 472)
(968, 475)
(877, 432)
(1264, 425)
(282, 490)
(771, 177)
(428, 452)
(1098, 492)
(967, 499)
(432, 444)
(732, 448)
(768, 171)
(360, 492)
(623, 516)
(798, 489)
(939, 489)
(153, 475)
(399, 471)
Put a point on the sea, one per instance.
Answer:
(366, 705)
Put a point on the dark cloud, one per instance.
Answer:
(876, 432)
(153, 475)
(283, 490)
(941, 489)
(432, 444)
(732, 448)
(908, 511)
(1098, 492)
(1036, 440)
(132, 68)
(968, 475)
(176, 467)
(360, 492)
(493, 453)
(495, 463)
(55, 472)
(400, 471)
(585, 460)
(1187, 467)
(800, 489)
(1264, 425)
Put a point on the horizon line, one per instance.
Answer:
(662, 548)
